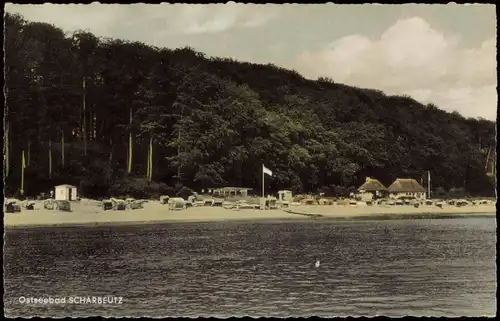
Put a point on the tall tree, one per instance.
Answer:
(84, 50)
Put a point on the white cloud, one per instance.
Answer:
(174, 18)
(412, 58)
(208, 19)
(221, 17)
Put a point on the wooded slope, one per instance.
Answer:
(79, 106)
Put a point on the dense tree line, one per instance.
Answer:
(114, 117)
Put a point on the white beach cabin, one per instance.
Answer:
(66, 193)
(285, 196)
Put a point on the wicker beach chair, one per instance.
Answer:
(49, 204)
(29, 205)
(164, 199)
(63, 206)
(135, 205)
(107, 205)
(12, 207)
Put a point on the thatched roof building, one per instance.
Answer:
(372, 185)
(406, 185)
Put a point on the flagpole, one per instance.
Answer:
(262, 180)
(22, 173)
(429, 184)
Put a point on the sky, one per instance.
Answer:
(441, 54)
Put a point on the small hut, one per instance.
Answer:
(66, 193)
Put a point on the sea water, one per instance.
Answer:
(425, 267)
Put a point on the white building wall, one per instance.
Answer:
(285, 196)
(74, 194)
(61, 193)
(418, 195)
(366, 196)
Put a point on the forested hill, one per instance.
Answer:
(116, 117)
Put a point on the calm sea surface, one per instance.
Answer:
(442, 267)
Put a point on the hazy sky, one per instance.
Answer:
(445, 54)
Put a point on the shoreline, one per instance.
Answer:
(337, 211)
(145, 223)
(90, 214)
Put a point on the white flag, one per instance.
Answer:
(267, 170)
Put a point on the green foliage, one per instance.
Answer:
(214, 122)
(139, 188)
(457, 193)
(440, 193)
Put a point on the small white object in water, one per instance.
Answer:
(317, 263)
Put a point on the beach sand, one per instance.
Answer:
(380, 211)
(89, 212)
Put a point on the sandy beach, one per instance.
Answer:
(380, 211)
(89, 212)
